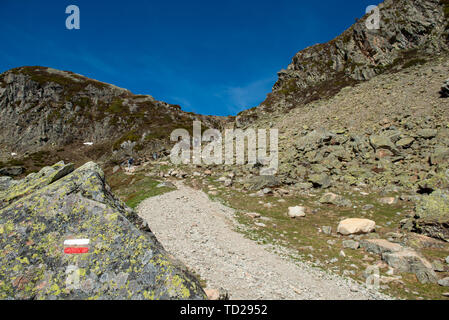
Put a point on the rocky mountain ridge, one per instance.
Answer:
(44, 108)
(411, 32)
(124, 260)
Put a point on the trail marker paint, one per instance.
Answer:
(76, 250)
(76, 242)
(76, 246)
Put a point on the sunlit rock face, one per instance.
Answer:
(122, 258)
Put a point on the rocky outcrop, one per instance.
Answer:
(47, 108)
(380, 246)
(409, 31)
(401, 258)
(124, 259)
(410, 261)
(408, 152)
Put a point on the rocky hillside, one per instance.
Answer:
(47, 109)
(363, 133)
(124, 259)
(368, 108)
(392, 131)
(411, 32)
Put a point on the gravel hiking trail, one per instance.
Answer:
(201, 233)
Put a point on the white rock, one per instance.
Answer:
(296, 212)
(356, 226)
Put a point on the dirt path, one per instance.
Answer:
(200, 233)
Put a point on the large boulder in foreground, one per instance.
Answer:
(124, 259)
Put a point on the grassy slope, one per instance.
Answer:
(299, 235)
(133, 189)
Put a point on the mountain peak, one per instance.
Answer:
(410, 31)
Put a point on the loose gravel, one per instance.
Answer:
(201, 233)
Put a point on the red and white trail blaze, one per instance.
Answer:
(76, 246)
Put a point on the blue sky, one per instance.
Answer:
(210, 57)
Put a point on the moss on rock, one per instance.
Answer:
(125, 261)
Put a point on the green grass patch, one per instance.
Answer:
(414, 62)
(129, 136)
(12, 163)
(54, 115)
(83, 102)
(116, 106)
(133, 189)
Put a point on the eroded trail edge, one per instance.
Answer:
(200, 233)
